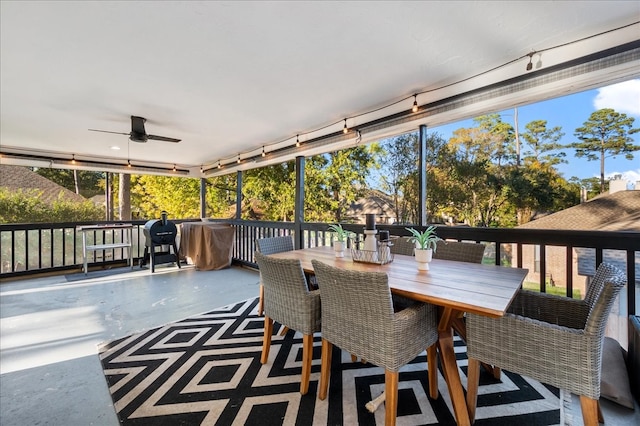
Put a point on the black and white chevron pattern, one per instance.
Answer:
(206, 370)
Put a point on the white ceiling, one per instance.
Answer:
(231, 77)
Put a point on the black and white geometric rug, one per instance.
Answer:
(206, 370)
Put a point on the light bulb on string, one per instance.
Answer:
(219, 164)
(239, 159)
(298, 141)
(530, 64)
(73, 159)
(415, 103)
(345, 129)
(263, 153)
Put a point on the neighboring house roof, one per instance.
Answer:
(375, 202)
(619, 211)
(19, 178)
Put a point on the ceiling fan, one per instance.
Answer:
(138, 133)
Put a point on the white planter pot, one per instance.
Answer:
(423, 257)
(338, 248)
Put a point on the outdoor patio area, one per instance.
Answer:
(51, 328)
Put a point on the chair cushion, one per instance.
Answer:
(614, 383)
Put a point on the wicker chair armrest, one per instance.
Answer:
(564, 357)
(564, 311)
(415, 329)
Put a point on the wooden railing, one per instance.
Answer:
(28, 249)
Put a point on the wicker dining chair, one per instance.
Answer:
(402, 245)
(290, 303)
(553, 339)
(459, 251)
(358, 316)
(271, 245)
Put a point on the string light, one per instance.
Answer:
(263, 153)
(415, 106)
(298, 141)
(129, 163)
(239, 159)
(73, 159)
(530, 65)
(174, 167)
(219, 165)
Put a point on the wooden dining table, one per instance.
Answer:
(455, 287)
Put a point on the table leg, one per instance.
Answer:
(450, 367)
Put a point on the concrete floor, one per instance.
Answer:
(50, 329)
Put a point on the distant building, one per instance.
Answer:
(19, 178)
(375, 202)
(618, 210)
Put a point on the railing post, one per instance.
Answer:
(239, 195)
(422, 176)
(203, 197)
(298, 213)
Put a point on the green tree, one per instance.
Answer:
(605, 134)
(28, 207)
(221, 196)
(178, 196)
(332, 182)
(543, 143)
(88, 183)
(399, 179)
(269, 192)
(347, 173)
(497, 137)
(538, 187)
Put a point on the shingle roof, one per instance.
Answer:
(619, 211)
(18, 178)
(375, 202)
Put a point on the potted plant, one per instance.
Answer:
(426, 243)
(340, 238)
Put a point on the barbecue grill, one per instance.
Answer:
(160, 238)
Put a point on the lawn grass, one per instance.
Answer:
(558, 291)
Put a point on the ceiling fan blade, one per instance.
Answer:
(137, 125)
(107, 131)
(163, 138)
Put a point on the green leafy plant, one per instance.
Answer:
(341, 234)
(426, 239)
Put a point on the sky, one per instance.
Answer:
(570, 112)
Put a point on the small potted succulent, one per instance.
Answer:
(340, 238)
(426, 243)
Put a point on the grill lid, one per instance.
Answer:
(160, 231)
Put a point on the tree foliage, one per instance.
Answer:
(269, 192)
(178, 196)
(28, 207)
(89, 183)
(332, 182)
(605, 134)
(543, 144)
